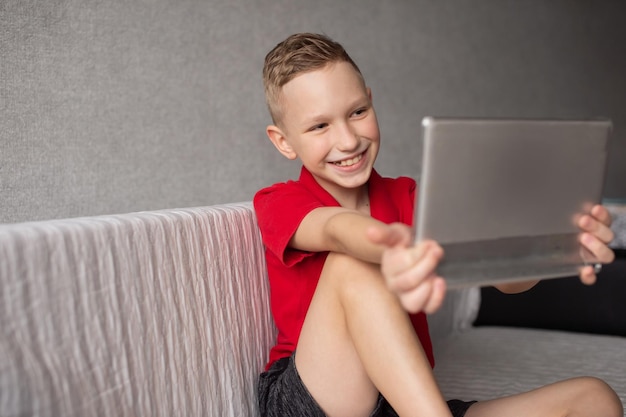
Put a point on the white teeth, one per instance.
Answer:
(349, 162)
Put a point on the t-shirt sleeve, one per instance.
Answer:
(280, 209)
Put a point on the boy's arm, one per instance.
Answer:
(337, 229)
(408, 270)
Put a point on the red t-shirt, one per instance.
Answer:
(294, 274)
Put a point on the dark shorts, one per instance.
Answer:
(282, 393)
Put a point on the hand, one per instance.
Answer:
(595, 236)
(409, 270)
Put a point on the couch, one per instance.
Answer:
(166, 313)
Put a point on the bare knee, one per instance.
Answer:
(351, 276)
(594, 397)
(345, 269)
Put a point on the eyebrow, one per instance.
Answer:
(320, 117)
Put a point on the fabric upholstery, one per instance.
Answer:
(160, 313)
(166, 313)
(492, 362)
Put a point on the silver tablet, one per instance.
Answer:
(502, 196)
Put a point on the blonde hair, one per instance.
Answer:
(299, 53)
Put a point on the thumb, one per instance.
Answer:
(396, 234)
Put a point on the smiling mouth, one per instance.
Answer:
(349, 162)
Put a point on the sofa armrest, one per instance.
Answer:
(147, 314)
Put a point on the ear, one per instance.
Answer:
(279, 140)
(369, 93)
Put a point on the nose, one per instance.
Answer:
(347, 138)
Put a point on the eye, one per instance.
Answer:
(360, 111)
(318, 126)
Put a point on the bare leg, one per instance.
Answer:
(357, 340)
(577, 397)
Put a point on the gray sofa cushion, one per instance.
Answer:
(492, 362)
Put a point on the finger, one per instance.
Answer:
(378, 234)
(602, 214)
(587, 275)
(390, 235)
(596, 227)
(438, 294)
(396, 261)
(399, 260)
(414, 301)
(428, 297)
(598, 248)
(417, 271)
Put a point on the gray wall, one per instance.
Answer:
(116, 106)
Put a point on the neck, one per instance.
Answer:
(357, 198)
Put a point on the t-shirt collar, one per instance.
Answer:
(380, 203)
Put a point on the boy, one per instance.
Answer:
(342, 269)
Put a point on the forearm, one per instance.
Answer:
(336, 229)
(347, 233)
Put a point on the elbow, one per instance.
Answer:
(516, 287)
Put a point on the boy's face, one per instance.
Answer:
(330, 124)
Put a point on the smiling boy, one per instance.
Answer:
(349, 292)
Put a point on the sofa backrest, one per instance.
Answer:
(160, 313)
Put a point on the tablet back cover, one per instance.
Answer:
(502, 196)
